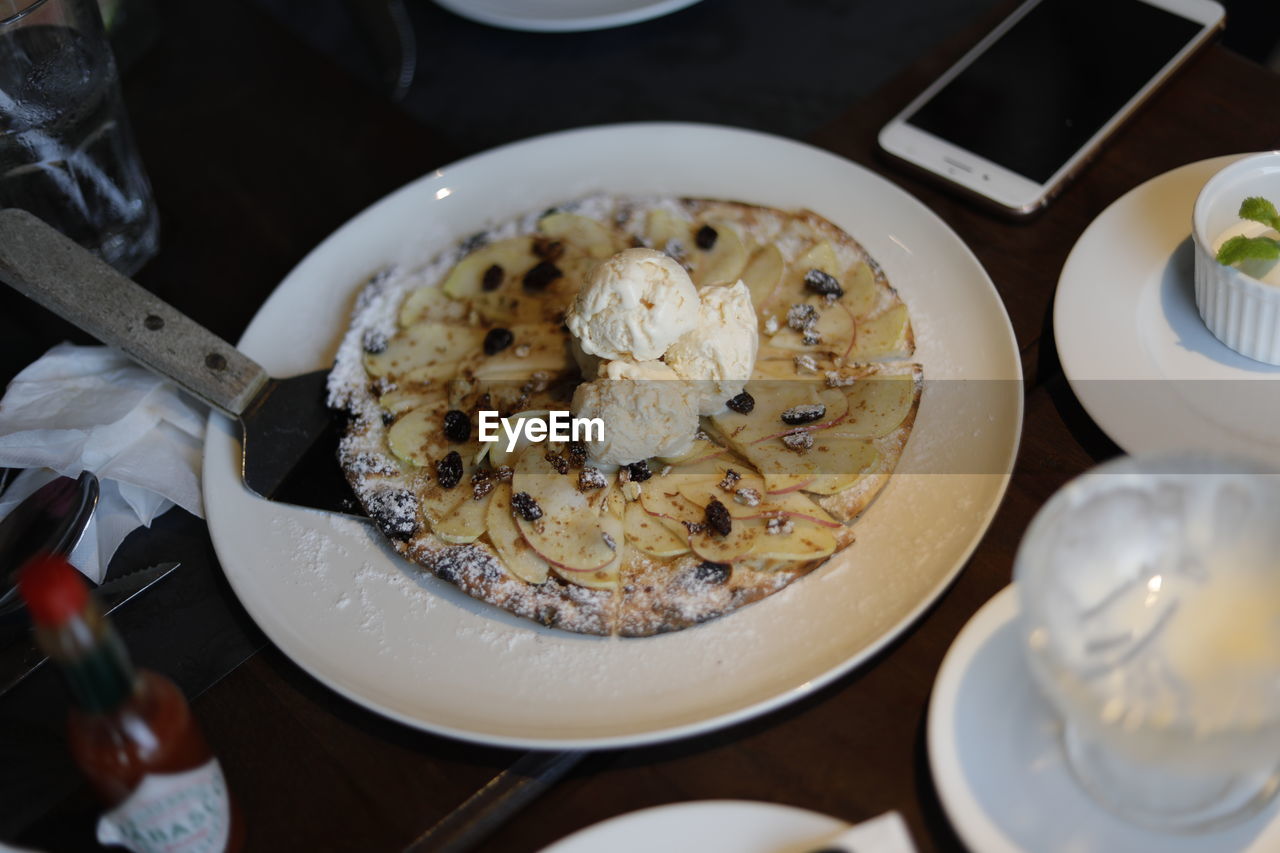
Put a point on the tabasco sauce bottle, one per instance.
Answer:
(130, 730)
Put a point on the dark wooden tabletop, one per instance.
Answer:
(258, 148)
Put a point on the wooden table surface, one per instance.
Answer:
(258, 157)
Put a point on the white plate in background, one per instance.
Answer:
(562, 16)
(351, 612)
(998, 765)
(1131, 341)
(711, 825)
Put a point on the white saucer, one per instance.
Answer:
(999, 769)
(562, 16)
(711, 825)
(1132, 343)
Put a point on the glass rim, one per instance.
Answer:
(17, 14)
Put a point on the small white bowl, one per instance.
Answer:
(1241, 311)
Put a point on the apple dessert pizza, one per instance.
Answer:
(750, 368)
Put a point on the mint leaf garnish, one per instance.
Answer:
(1239, 249)
(1258, 209)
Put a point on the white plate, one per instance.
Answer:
(737, 825)
(349, 611)
(1132, 343)
(562, 16)
(997, 761)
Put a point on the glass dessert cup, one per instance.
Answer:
(1149, 596)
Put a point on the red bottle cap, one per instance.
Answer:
(53, 590)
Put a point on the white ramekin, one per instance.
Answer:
(1243, 312)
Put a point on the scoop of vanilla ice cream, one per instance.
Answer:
(721, 349)
(643, 415)
(636, 370)
(633, 306)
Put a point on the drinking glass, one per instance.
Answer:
(66, 150)
(1149, 592)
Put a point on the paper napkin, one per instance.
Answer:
(884, 834)
(91, 408)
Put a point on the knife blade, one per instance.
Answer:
(283, 421)
(21, 656)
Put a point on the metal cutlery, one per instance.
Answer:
(289, 435)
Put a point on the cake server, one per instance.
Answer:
(289, 436)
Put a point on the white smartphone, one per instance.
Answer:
(1014, 119)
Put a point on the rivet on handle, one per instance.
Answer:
(214, 361)
(154, 322)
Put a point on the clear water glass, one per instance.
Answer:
(1149, 592)
(66, 149)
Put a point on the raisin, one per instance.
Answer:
(395, 511)
(481, 488)
(718, 518)
(374, 342)
(712, 573)
(542, 274)
(492, 278)
(449, 470)
(558, 462)
(590, 478)
(547, 249)
(497, 340)
(705, 238)
(577, 452)
(743, 404)
(805, 414)
(639, 471)
(824, 284)
(526, 506)
(457, 426)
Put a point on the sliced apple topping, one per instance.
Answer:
(569, 526)
(647, 533)
(763, 274)
(417, 437)
(468, 520)
(667, 232)
(723, 258)
(815, 325)
(860, 292)
(878, 404)
(431, 303)
(513, 550)
(785, 469)
(727, 547)
(887, 335)
(425, 351)
(773, 399)
(530, 348)
(581, 232)
(497, 266)
(401, 400)
(795, 540)
(498, 453)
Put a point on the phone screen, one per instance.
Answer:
(1051, 82)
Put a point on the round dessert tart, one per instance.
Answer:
(756, 364)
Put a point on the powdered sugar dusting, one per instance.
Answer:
(659, 594)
